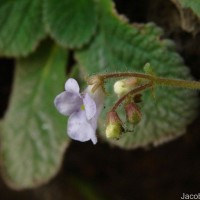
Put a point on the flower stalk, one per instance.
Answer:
(151, 80)
(177, 83)
(155, 79)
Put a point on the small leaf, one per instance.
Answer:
(33, 138)
(120, 46)
(21, 26)
(148, 69)
(71, 23)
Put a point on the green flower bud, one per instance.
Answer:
(148, 69)
(114, 126)
(133, 113)
(123, 86)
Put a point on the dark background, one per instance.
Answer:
(165, 172)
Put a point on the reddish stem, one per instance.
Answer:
(135, 90)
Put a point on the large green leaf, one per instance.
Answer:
(33, 138)
(71, 23)
(120, 46)
(21, 26)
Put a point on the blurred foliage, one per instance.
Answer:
(190, 14)
(21, 26)
(32, 138)
(33, 134)
(71, 23)
(191, 4)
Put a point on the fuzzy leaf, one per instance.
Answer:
(21, 26)
(120, 46)
(71, 23)
(33, 138)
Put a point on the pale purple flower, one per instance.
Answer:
(83, 110)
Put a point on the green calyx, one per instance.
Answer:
(114, 126)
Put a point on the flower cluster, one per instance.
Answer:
(84, 108)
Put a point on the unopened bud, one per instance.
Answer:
(114, 125)
(96, 81)
(133, 113)
(122, 87)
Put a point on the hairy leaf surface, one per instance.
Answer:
(71, 23)
(33, 138)
(21, 26)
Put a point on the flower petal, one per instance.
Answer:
(98, 96)
(93, 121)
(79, 128)
(72, 86)
(67, 103)
(90, 106)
